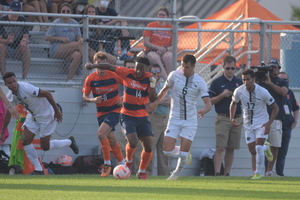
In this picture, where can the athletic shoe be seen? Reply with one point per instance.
(106, 170)
(129, 165)
(256, 176)
(142, 175)
(271, 173)
(35, 172)
(173, 177)
(268, 153)
(190, 158)
(73, 145)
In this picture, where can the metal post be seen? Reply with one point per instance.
(85, 52)
(269, 45)
(262, 41)
(174, 36)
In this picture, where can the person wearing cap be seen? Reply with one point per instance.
(291, 115)
(278, 88)
(104, 10)
(14, 39)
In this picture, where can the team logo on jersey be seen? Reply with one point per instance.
(248, 138)
(135, 84)
(271, 99)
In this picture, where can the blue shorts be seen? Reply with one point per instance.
(111, 119)
(139, 125)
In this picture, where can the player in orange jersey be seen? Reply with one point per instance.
(139, 88)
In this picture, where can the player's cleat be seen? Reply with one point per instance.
(141, 175)
(106, 170)
(35, 172)
(256, 176)
(129, 165)
(268, 153)
(73, 145)
(173, 177)
(190, 158)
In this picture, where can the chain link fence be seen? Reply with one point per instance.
(52, 63)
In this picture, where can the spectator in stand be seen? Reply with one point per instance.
(158, 44)
(289, 122)
(104, 10)
(78, 8)
(66, 42)
(4, 6)
(52, 7)
(95, 33)
(14, 39)
(40, 7)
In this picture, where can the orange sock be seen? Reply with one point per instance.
(105, 149)
(145, 159)
(116, 150)
(129, 152)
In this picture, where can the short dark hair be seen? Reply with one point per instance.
(248, 71)
(128, 60)
(189, 58)
(8, 75)
(155, 65)
(101, 55)
(229, 59)
(143, 60)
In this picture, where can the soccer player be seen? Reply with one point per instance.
(256, 120)
(139, 89)
(41, 118)
(185, 86)
(104, 86)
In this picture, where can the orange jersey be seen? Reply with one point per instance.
(107, 87)
(136, 92)
(159, 38)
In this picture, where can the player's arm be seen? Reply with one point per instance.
(206, 108)
(152, 106)
(87, 98)
(57, 114)
(274, 113)
(232, 110)
(105, 66)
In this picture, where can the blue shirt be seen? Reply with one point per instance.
(218, 86)
(290, 101)
(278, 98)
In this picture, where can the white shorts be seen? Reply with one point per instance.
(42, 127)
(181, 128)
(252, 134)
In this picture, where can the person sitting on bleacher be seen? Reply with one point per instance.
(14, 39)
(40, 7)
(104, 10)
(66, 42)
(158, 44)
(95, 33)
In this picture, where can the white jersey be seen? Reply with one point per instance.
(27, 95)
(254, 105)
(185, 92)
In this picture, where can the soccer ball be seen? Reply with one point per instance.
(121, 172)
(65, 160)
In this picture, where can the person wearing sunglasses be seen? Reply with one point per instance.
(66, 41)
(227, 137)
(289, 122)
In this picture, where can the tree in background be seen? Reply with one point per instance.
(295, 16)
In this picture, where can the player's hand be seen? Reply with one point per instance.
(234, 123)
(152, 82)
(98, 99)
(58, 116)
(151, 107)
(201, 113)
(88, 66)
(267, 128)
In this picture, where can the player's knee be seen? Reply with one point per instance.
(45, 147)
(168, 153)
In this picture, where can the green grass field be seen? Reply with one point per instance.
(56, 187)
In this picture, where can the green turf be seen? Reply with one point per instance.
(56, 187)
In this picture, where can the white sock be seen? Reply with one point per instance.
(107, 162)
(265, 148)
(122, 162)
(32, 156)
(57, 144)
(183, 157)
(175, 151)
(259, 158)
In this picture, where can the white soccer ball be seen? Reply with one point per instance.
(65, 160)
(121, 172)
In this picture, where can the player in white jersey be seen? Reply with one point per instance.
(257, 122)
(186, 87)
(41, 118)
